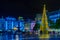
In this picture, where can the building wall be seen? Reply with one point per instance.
(21, 23)
(2, 24)
(54, 15)
(9, 23)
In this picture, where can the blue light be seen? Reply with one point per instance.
(22, 26)
(54, 20)
(12, 25)
(10, 18)
(55, 16)
(6, 25)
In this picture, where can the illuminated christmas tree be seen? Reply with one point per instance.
(44, 21)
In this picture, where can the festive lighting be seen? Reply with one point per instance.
(44, 26)
(15, 28)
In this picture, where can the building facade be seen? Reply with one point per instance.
(9, 23)
(21, 23)
(2, 24)
(54, 15)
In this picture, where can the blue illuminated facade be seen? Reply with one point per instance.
(9, 23)
(54, 15)
(2, 24)
(21, 23)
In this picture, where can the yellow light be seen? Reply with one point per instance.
(42, 36)
(15, 28)
(44, 23)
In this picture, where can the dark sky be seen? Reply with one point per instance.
(26, 8)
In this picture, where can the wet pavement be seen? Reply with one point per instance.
(29, 36)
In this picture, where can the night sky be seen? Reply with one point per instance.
(26, 8)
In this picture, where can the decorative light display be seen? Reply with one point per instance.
(44, 22)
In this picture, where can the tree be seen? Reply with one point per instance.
(55, 25)
(52, 24)
(58, 24)
(37, 26)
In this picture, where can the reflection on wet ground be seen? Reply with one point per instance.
(29, 37)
